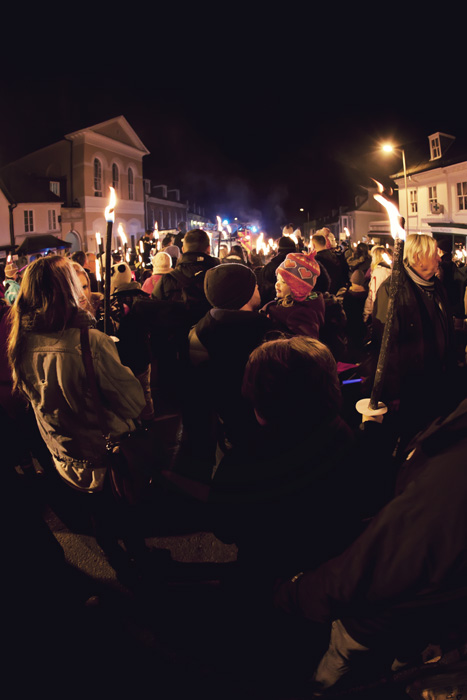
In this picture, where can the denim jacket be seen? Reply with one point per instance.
(54, 380)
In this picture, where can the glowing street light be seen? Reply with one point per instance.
(389, 148)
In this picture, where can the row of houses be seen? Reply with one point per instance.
(434, 202)
(63, 190)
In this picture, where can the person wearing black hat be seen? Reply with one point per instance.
(220, 345)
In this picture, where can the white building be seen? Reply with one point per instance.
(436, 192)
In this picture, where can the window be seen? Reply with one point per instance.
(432, 199)
(52, 220)
(462, 196)
(413, 201)
(435, 148)
(131, 189)
(28, 221)
(55, 188)
(115, 176)
(97, 178)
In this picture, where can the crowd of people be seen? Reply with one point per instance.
(355, 524)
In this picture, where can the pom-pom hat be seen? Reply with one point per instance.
(299, 271)
(120, 274)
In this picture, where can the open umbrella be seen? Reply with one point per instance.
(38, 244)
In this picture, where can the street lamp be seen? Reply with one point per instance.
(388, 148)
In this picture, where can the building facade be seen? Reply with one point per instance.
(359, 223)
(163, 207)
(435, 201)
(78, 171)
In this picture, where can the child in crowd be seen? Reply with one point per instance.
(11, 283)
(161, 264)
(297, 309)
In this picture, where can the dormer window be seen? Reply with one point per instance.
(55, 187)
(435, 148)
(439, 144)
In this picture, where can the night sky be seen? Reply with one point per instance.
(247, 125)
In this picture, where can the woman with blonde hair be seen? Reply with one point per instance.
(46, 360)
(379, 271)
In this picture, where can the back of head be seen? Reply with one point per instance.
(418, 246)
(80, 257)
(362, 249)
(166, 241)
(377, 253)
(293, 381)
(238, 251)
(288, 230)
(328, 236)
(181, 226)
(319, 241)
(286, 244)
(196, 241)
(445, 245)
(229, 286)
(51, 290)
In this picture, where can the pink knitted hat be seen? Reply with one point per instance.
(299, 271)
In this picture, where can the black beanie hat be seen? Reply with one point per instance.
(286, 243)
(229, 285)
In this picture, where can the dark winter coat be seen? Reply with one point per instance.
(185, 284)
(421, 363)
(301, 318)
(409, 567)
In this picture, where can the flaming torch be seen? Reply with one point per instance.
(373, 406)
(124, 240)
(155, 235)
(110, 218)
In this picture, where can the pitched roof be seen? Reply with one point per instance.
(117, 128)
(417, 155)
(20, 187)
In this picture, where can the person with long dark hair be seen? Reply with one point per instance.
(47, 367)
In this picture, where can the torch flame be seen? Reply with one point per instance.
(387, 259)
(122, 234)
(98, 239)
(98, 271)
(396, 229)
(259, 243)
(109, 212)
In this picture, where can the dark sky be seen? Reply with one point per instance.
(248, 129)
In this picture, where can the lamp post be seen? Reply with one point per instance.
(388, 148)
